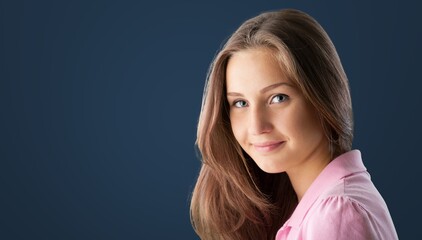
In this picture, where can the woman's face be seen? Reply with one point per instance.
(270, 117)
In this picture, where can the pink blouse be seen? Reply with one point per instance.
(341, 203)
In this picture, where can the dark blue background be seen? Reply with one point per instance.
(99, 103)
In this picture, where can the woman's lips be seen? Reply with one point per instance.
(266, 147)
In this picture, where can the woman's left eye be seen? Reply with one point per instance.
(279, 98)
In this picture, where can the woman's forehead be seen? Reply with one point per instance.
(258, 67)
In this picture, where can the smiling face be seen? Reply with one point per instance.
(270, 117)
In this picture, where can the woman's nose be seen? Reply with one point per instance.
(259, 121)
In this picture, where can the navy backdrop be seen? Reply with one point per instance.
(99, 103)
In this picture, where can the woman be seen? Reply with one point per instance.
(275, 135)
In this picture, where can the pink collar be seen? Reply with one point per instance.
(342, 166)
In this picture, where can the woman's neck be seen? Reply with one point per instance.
(303, 175)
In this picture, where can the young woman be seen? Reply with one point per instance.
(275, 135)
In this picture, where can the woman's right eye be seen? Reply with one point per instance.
(240, 104)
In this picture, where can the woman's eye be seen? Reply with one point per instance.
(279, 98)
(240, 104)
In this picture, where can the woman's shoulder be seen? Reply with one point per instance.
(356, 189)
(353, 207)
(337, 216)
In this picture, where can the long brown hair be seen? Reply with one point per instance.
(233, 198)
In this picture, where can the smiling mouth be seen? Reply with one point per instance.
(267, 146)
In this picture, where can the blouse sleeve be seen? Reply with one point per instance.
(339, 218)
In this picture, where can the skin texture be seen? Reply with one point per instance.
(272, 121)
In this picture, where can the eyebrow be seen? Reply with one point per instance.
(265, 89)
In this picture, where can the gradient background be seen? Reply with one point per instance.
(99, 103)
